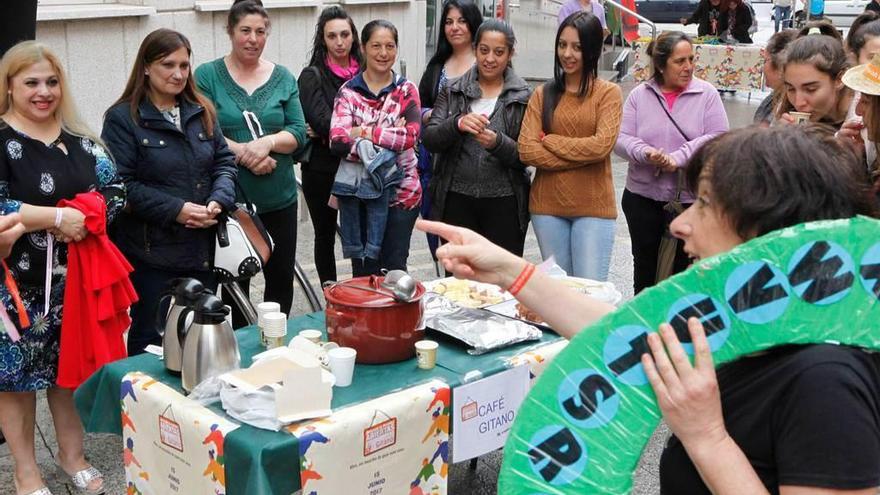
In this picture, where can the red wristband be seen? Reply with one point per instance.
(521, 279)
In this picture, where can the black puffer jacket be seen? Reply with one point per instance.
(442, 137)
(162, 168)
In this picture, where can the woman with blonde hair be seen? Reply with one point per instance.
(48, 155)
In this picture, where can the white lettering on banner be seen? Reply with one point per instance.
(493, 401)
(170, 434)
(380, 436)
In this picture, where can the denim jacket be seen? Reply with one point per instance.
(369, 179)
(368, 184)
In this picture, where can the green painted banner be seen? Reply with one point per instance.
(812, 283)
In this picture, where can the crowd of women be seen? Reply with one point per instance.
(800, 420)
(180, 146)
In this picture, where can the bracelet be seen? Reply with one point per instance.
(522, 279)
(59, 214)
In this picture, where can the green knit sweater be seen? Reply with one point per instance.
(276, 105)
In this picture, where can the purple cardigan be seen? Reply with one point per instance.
(698, 111)
(572, 6)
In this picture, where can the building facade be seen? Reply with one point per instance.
(98, 42)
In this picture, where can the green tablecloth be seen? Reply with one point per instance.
(268, 461)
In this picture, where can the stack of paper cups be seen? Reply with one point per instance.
(275, 329)
(262, 309)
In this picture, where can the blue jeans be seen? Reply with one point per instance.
(581, 245)
(395, 244)
(362, 224)
(780, 14)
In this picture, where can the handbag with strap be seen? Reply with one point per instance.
(668, 242)
(243, 245)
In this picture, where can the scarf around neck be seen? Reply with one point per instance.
(345, 73)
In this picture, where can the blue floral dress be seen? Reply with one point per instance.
(33, 173)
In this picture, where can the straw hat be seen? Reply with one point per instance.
(865, 78)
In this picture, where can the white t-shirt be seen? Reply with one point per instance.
(484, 106)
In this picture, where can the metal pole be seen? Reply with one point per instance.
(242, 301)
(635, 14)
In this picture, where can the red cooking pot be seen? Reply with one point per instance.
(380, 328)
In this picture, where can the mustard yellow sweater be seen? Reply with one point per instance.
(573, 160)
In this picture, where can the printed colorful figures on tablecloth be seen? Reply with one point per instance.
(376, 445)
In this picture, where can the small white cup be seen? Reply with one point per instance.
(342, 364)
(426, 354)
(267, 307)
(312, 335)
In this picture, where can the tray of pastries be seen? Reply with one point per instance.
(467, 293)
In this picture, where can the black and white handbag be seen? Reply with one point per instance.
(243, 244)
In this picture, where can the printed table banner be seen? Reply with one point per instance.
(728, 67)
(171, 444)
(395, 445)
(483, 412)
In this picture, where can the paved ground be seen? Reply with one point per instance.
(104, 450)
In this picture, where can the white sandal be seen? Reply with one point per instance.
(81, 479)
(41, 491)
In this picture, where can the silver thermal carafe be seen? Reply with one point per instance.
(185, 293)
(210, 348)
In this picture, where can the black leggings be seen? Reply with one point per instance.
(497, 219)
(316, 190)
(647, 221)
(278, 272)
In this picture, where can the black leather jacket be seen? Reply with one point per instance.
(442, 137)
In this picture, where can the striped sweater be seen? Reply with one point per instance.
(394, 117)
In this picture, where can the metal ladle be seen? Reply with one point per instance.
(401, 284)
(390, 293)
